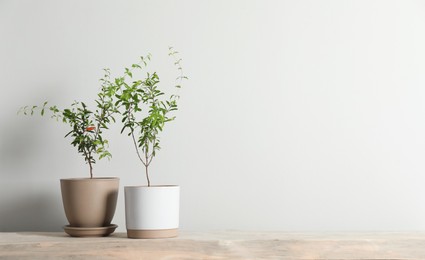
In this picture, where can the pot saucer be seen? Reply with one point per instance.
(90, 231)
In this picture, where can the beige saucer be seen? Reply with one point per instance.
(90, 232)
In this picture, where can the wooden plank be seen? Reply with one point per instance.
(218, 245)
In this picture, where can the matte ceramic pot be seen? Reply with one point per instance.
(89, 202)
(152, 212)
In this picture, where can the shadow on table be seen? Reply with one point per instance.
(63, 234)
(45, 234)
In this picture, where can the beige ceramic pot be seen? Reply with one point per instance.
(89, 202)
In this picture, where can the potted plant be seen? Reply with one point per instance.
(152, 211)
(89, 203)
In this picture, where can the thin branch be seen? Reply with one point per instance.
(134, 138)
(87, 156)
(151, 155)
(137, 148)
(147, 165)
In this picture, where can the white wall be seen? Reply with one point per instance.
(299, 115)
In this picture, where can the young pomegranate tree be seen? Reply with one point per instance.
(86, 125)
(144, 108)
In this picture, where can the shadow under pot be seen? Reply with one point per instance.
(89, 205)
(152, 212)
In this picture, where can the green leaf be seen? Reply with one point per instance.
(124, 127)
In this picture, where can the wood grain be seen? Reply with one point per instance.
(217, 245)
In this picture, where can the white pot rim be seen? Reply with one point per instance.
(152, 208)
(152, 187)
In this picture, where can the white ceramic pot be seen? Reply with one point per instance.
(152, 212)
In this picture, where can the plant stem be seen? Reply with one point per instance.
(137, 149)
(145, 162)
(88, 157)
(91, 170)
(147, 175)
(146, 167)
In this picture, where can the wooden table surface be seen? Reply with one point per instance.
(217, 245)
